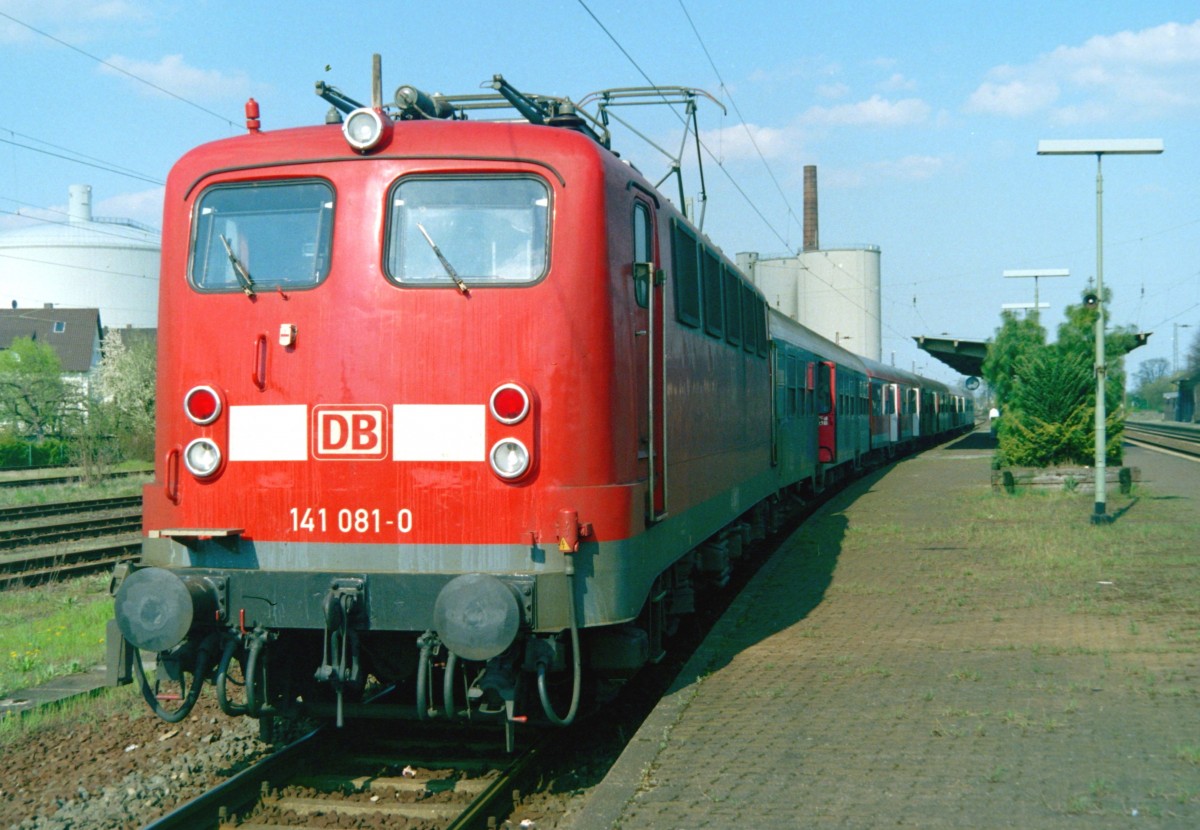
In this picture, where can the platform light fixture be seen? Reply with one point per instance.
(1037, 274)
(1100, 148)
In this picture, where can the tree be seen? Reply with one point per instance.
(1047, 394)
(1151, 381)
(1015, 339)
(121, 415)
(35, 401)
(1052, 415)
(1193, 355)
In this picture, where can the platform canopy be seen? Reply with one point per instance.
(963, 356)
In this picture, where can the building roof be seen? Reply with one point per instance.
(73, 333)
(963, 356)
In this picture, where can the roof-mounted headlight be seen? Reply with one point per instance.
(364, 128)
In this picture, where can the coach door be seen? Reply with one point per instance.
(649, 289)
(826, 414)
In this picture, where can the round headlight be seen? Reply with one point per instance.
(202, 457)
(363, 129)
(509, 458)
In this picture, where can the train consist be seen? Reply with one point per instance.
(466, 406)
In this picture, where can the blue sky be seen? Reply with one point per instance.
(922, 118)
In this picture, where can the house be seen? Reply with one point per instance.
(73, 333)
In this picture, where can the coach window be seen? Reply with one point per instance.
(468, 231)
(262, 235)
(824, 390)
(793, 387)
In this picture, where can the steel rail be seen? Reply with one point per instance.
(209, 809)
(45, 566)
(31, 536)
(1180, 438)
(24, 512)
(67, 478)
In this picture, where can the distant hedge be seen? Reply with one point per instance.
(15, 453)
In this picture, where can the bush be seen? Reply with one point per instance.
(1052, 412)
(18, 453)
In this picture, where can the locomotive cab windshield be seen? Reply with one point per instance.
(492, 230)
(250, 236)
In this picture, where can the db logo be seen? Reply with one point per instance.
(357, 432)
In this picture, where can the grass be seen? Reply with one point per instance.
(1140, 567)
(52, 630)
(19, 496)
(56, 629)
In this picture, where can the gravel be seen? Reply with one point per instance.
(120, 769)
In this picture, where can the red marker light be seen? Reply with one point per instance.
(202, 404)
(509, 403)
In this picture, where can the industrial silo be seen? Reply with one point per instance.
(835, 291)
(83, 262)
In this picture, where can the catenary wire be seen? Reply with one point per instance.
(116, 68)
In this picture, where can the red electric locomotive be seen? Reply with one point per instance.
(466, 406)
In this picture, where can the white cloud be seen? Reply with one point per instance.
(75, 21)
(873, 112)
(907, 169)
(143, 206)
(833, 91)
(735, 144)
(1013, 98)
(1129, 74)
(898, 83)
(172, 73)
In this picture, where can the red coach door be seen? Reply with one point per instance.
(826, 413)
(649, 283)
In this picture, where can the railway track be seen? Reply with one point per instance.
(1176, 437)
(27, 512)
(27, 568)
(8, 479)
(35, 546)
(447, 779)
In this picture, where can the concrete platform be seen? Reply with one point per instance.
(55, 691)
(843, 688)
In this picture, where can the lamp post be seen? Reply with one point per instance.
(1038, 273)
(1100, 148)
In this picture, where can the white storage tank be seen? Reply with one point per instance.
(84, 262)
(833, 291)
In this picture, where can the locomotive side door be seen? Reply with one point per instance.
(649, 281)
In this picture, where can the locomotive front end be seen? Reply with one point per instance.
(358, 364)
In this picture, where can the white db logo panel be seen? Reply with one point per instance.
(350, 432)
